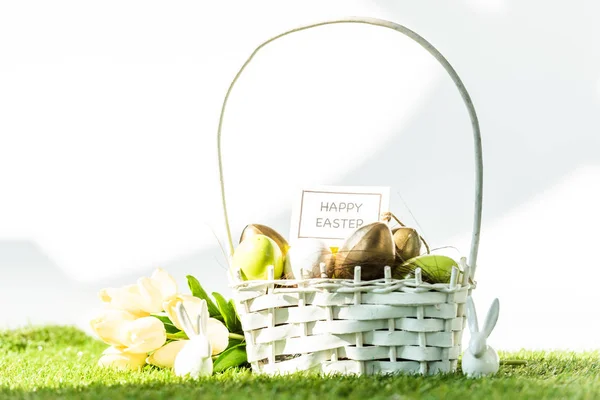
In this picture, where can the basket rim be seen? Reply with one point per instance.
(382, 285)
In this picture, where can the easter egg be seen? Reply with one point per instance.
(408, 243)
(254, 255)
(258, 229)
(371, 247)
(435, 268)
(304, 259)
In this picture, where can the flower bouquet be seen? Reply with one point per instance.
(151, 322)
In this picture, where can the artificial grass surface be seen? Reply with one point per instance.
(60, 362)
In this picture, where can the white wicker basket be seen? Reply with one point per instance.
(354, 326)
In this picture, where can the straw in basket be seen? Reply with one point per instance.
(354, 326)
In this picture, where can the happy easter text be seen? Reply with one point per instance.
(341, 207)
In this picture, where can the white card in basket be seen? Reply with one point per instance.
(332, 213)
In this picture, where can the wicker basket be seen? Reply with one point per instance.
(355, 326)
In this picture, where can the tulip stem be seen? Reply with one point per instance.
(175, 336)
(236, 336)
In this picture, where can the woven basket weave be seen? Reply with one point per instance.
(355, 326)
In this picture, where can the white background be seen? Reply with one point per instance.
(108, 115)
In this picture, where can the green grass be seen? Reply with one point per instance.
(60, 362)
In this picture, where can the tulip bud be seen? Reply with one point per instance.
(115, 358)
(150, 296)
(218, 336)
(109, 326)
(126, 298)
(192, 304)
(144, 335)
(165, 283)
(165, 356)
(144, 298)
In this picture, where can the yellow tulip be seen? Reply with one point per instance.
(145, 297)
(132, 335)
(165, 283)
(109, 326)
(165, 356)
(144, 335)
(115, 358)
(218, 335)
(126, 298)
(192, 304)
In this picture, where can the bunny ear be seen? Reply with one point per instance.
(202, 322)
(491, 318)
(472, 316)
(185, 321)
(206, 347)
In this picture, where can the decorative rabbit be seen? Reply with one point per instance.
(194, 359)
(480, 359)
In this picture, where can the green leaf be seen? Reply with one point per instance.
(227, 311)
(233, 343)
(163, 318)
(169, 327)
(230, 358)
(181, 335)
(199, 292)
(238, 323)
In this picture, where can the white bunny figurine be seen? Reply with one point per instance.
(480, 359)
(194, 359)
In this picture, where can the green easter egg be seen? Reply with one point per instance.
(254, 255)
(435, 268)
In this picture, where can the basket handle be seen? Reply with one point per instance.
(455, 78)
